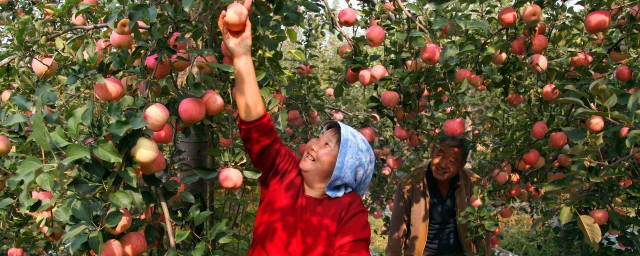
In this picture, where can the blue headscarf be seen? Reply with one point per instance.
(354, 166)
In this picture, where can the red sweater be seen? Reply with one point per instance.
(288, 221)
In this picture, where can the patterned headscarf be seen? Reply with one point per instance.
(354, 166)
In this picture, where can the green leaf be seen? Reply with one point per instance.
(260, 74)
(251, 174)
(293, 36)
(187, 197)
(113, 218)
(223, 67)
(226, 239)
(40, 133)
(299, 55)
(105, 150)
(338, 91)
(15, 119)
(75, 152)
(96, 241)
(6, 202)
(201, 217)
(574, 134)
(74, 231)
(449, 52)
(570, 100)
(205, 174)
(182, 235)
(77, 242)
(634, 99)
(591, 230)
(187, 5)
(45, 180)
(611, 101)
(566, 214)
(81, 210)
(121, 199)
(63, 213)
(58, 138)
(22, 102)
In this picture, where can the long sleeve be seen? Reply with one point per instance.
(398, 227)
(354, 233)
(266, 150)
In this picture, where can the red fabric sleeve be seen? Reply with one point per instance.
(266, 150)
(354, 233)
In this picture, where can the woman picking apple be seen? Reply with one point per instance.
(310, 205)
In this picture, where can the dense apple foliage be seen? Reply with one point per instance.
(118, 133)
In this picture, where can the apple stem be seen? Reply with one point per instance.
(167, 219)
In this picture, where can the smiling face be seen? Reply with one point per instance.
(446, 162)
(319, 160)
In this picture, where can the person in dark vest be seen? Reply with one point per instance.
(423, 220)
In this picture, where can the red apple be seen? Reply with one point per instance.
(338, 116)
(514, 99)
(191, 110)
(400, 133)
(145, 151)
(531, 157)
(345, 51)
(495, 241)
(539, 130)
(564, 160)
(531, 13)
(538, 63)
(163, 136)
(123, 225)
(328, 92)
(157, 116)
(413, 141)
(159, 68)
(623, 132)
(430, 54)
(78, 20)
(540, 163)
(112, 247)
(13, 251)
(394, 162)
(120, 42)
(412, 65)
(230, 178)
(623, 73)
(454, 127)
(6, 94)
(5, 145)
(462, 74)
(237, 16)
(369, 133)
(44, 67)
(377, 72)
(179, 44)
(351, 76)
(506, 212)
(123, 28)
(550, 93)
(601, 216)
(475, 202)
(201, 63)
(110, 90)
(213, 102)
(507, 17)
(180, 61)
(157, 165)
(176, 197)
(581, 60)
(518, 45)
(375, 35)
(501, 178)
(133, 244)
(558, 139)
(539, 43)
(595, 123)
(390, 99)
(597, 21)
(514, 191)
(347, 17)
(499, 57)
(378, 213)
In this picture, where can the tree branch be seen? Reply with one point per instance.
(337, 25)
(167, 219)
(404, 9)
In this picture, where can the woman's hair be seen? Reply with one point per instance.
(334, 127)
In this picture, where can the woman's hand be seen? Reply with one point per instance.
(238, 43)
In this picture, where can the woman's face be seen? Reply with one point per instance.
(320, 158)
